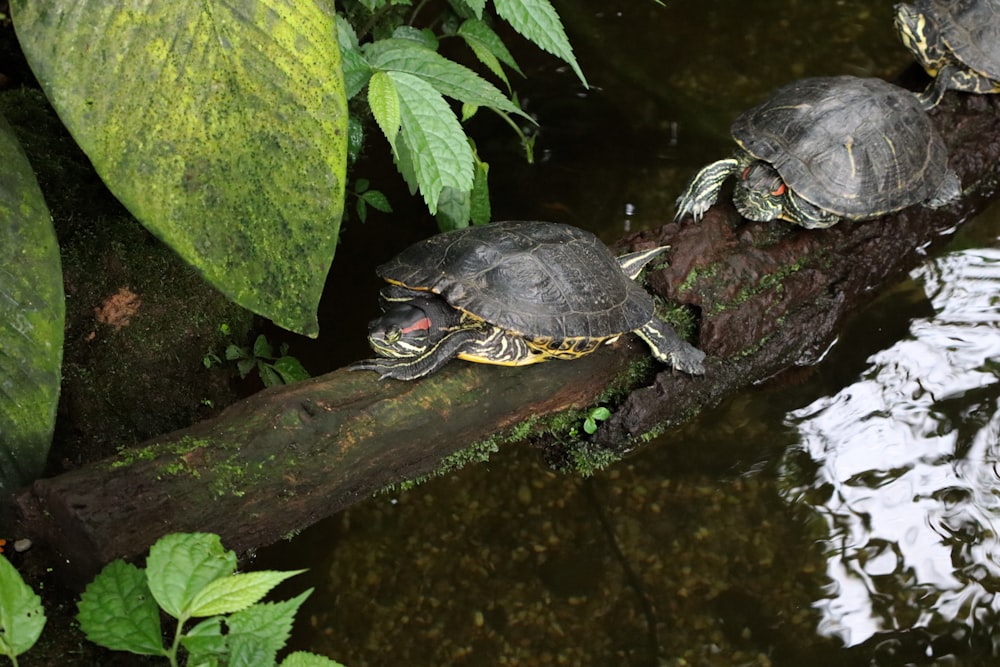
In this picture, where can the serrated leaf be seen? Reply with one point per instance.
(220, 126)
(488, 47)
(22, 617)
(290, 369)
(538, 21)
(236, 592)
(205, 639)
(32, 310)
(440, 150)
(305, 659)
(384, 102)
(446, 76)
(257, 633)
(356, 68)
(117, 611)
(180, 565)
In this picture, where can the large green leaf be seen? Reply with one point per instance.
(221, 126)
(32, 309)
(118, 612)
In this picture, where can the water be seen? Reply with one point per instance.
(837, 515)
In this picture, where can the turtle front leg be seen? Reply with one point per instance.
(949, 191)
(703, 191)
(671, 349)
(412, 368)
(932, 95)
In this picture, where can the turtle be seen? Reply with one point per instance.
(822, 149)
(956, 41)
(514, 293)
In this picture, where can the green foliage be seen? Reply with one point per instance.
(220, 127)
(21, 615)
(32, 310)
(408, 81)
(595, 415)
(273, 369)
(191, 576)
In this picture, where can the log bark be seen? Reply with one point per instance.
(768, 296)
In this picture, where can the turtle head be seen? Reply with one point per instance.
(760, 192)
(410, 328)
(919, 35)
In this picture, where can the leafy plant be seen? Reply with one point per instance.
(595, 415)
(407, 79)
(273, 369)
(22, 617)
(191, 576)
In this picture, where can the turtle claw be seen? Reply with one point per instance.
(690, 360)
(703, 190)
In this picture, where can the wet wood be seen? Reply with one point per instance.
(767, 296)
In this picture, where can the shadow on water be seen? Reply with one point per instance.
(836, 515)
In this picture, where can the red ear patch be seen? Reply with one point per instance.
(780, 190)
(423, 323)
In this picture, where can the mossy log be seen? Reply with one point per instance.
(766, 296)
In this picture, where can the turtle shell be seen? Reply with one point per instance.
(857, 147)
(537, 279)
(970, 29)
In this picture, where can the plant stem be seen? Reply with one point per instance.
(172, 652)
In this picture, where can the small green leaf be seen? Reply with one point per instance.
(205, 639)
(600, 414)
(488, 48)
(377, 200)
(237, 592)
(234, 352)
(384, 102)
(180, 565)
(290, 369)
(21, 614)
(304, 659)
(117, 611)
(440, 150)
(590, 426)
(262, 348)
(538, 21)
(258, 632)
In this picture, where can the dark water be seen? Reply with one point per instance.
(838, 515)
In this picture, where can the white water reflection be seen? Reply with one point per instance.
(907, 468)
